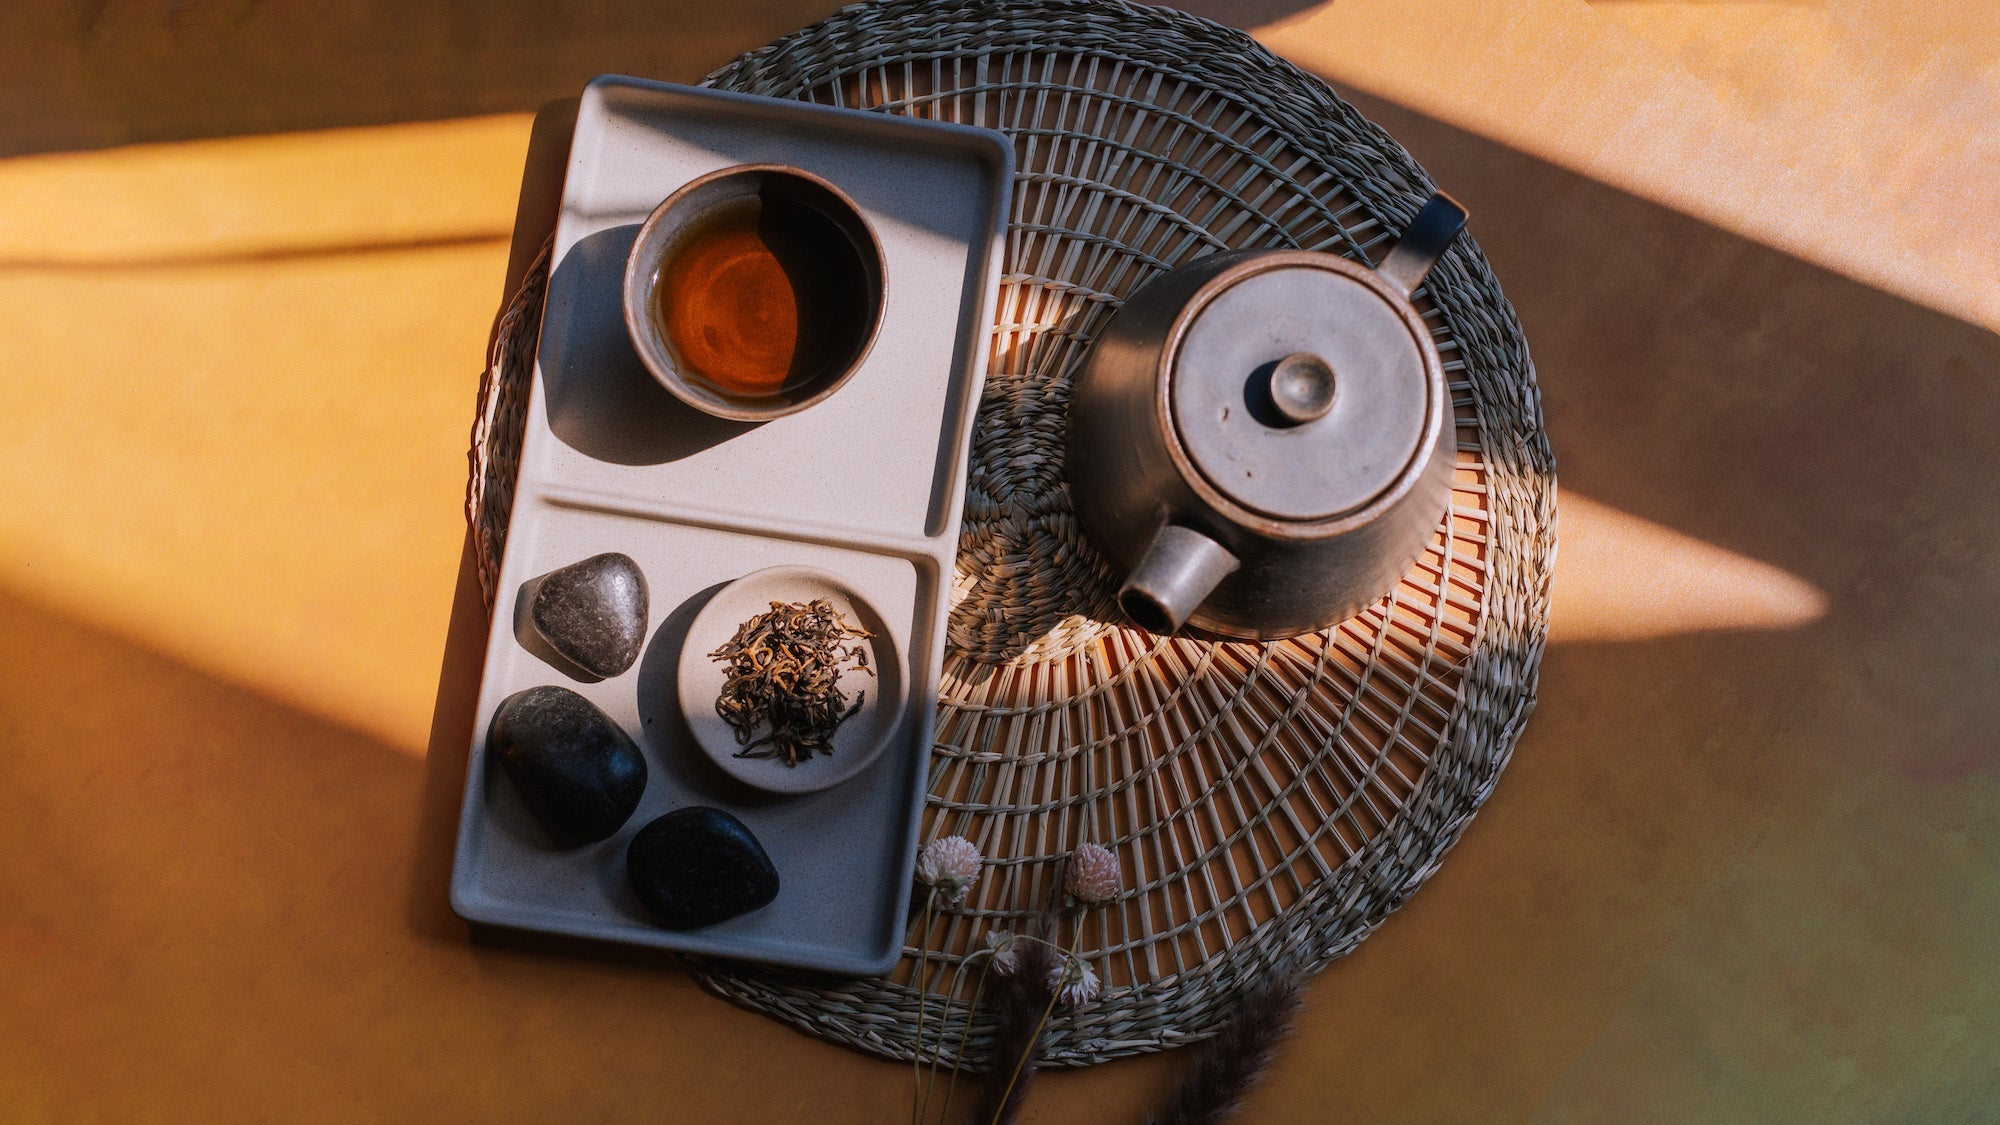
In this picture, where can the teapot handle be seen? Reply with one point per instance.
(1424, 241)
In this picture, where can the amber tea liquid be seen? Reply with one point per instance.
(761, 296)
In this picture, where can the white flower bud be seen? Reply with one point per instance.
(951, 864)
(1006, 958)
(1073, 982)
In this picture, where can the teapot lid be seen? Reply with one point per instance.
(1300, 391)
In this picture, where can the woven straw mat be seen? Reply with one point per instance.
(1270, 803)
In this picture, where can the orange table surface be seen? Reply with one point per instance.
(1744, 866)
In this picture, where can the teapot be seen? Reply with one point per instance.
(1260, 440)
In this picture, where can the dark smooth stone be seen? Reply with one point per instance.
(594, 613)
(580, 772)
(697, 866)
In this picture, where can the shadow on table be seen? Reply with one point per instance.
(92, 73)
(82, 74)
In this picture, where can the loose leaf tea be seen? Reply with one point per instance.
(784, 674)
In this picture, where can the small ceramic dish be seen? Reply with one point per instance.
(859, 740)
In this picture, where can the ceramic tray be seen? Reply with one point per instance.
(866, 485)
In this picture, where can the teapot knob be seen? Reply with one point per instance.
(1302, 388)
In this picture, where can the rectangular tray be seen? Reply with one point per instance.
(867, 484)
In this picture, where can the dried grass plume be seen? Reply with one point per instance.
(1224, 1069)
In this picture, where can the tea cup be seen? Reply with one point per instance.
(755, 291)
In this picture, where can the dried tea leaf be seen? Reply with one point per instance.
(784, 670)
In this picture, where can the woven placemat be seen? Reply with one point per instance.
(1269, 803)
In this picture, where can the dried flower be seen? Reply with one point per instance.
(1092, 878)
(950, 864)
(1073, 982)
(1006, 958)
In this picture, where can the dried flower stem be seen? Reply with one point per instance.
(919, 1094)
(964, 1033)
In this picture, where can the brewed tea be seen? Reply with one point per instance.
(761, 296)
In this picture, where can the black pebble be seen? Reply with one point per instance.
(594, 613)
(697, 866)
(579, 772)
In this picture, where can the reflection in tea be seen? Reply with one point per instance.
(761, 296)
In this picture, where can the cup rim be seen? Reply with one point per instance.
(640, 281)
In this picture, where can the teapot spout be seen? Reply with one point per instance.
(1178, 571)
